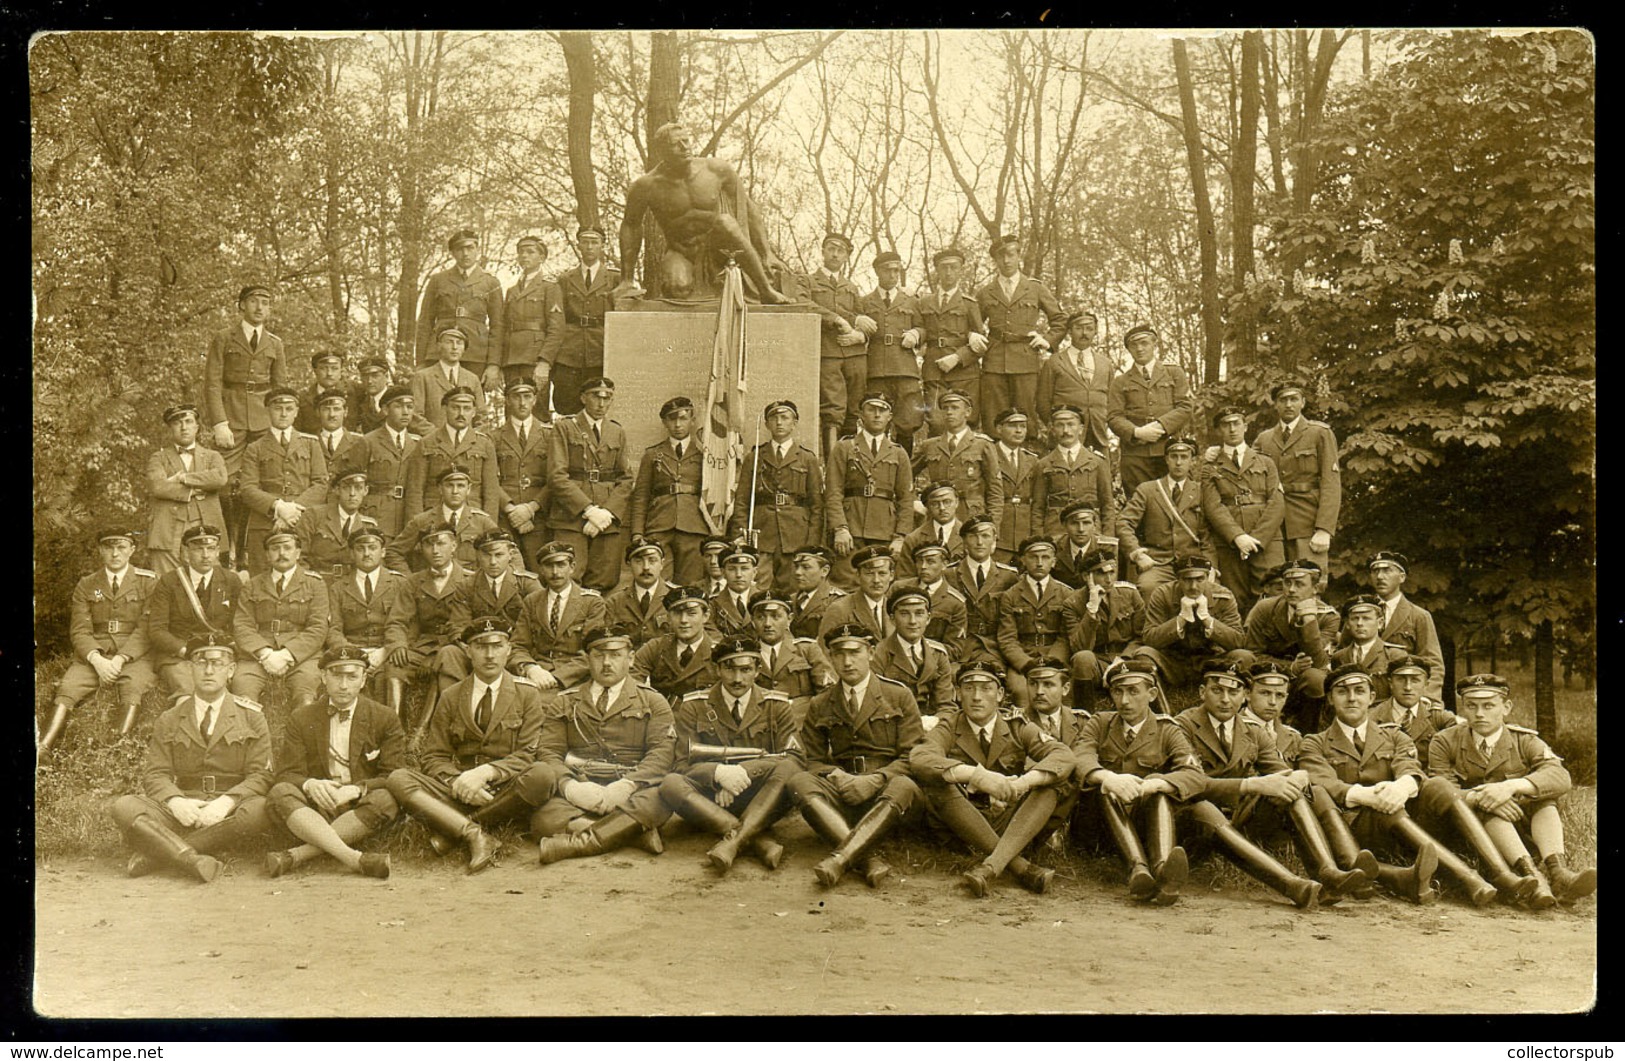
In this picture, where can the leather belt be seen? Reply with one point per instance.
(208, 782)
(675, 488)
(524, 328)
(525, 482)
(870, 491)
(888, 339)
(857, 764)
(780, 500)
(277, 626)
(943, 343)
(1016, 500)
(1014, 337)
(589, 322)
(395, 492)
(586, 477)
(112, 626)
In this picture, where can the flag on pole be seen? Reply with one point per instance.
(724, 425)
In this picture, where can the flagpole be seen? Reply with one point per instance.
(755, 483)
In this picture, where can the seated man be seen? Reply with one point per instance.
(640, 606)
(1047, 684)
(736, 752)
(981, 580)
(1080, 542)
(556, 618)
(1363, 775)
(1300, 630)
(948, 612)
(730, 609)
(611, 742)
(195, 598)
(1362, 645)
(795, 666)
(336, 755)
(467, 523)
(1032, 619)
(913, 660)
(1418, 715)
(678, 663)
(419, 631)
(867, 608)
(856, 740)
(478, 762)
(324, 531)
(109, 635)
(811, 591)
(1405, 623)
(940, 527)
(1265, 699)
(1489, 778)
(1131, 764)
(495, 589)
(281, 624)
(207, 770)
(995, 784)
(1189, 621)
(1103, 618)
(360, 604)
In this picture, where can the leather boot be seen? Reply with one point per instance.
(161, 844)
(1570, 885)
(1305, 894)
(614, 830)
(1141, 884)
(1413, 882)
(59, 721)
(450, 823)
(764, 809)
(1511, 887)
(869, 829)
(824, 818)
(875, 870)
(1542, 899)
(1168, 862)
(395, 693)
(1321, 862)
(128, 724)
(979, 879)
(510, 804)
(1035, 879)
(431, 697)
(1345, 849)
(697, 810)
(1479, 891)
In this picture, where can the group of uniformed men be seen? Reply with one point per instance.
(833, 657)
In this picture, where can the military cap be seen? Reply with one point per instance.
(641, 545)
(1389, 556)
(597, 383)
(1227, 672)
(1225, 412)
(332, 395)
(947, 254)
(113, 532)
(353, 471)
(1037, 541)
(976, 523)
(518, 385)
(1285, 387)
(459, 391)
(847, 633)
(1000, 242)
(434, 530)
(680, 595)
(279, 393)
(554, 549)
(925, 548)
(1100, 560)
(199, 532)
(461, 236)
(341, 654)
(487, 626)
(870, 554)
(767, 598)
(815, 551)
(210, 644)
(451, 470)
(1066, 409)
(276, 534)
(955, 394)
(875, 398)
(1129, 668)
(1192, 562)
(735, 647)
(369, 364)
(175, 412)
(1139, 329)
(325, 355)
(715, 544)
(495, 536)
(1041, 666)
(1483, 685)
(672, 405)
(394, 393)
(254, 289)
(1269, 672)
(1080, 506)
(607, 637)
(590, 230)
(887, 258)
(1300, 566)
(901, 595)
(979, 670)
(1009, 416)
(1273, 574)
(364, 532)
(1080, 315)
(936, 488)
(534, 241)
(1362, 600)
(782, 404)
(1184, 442)
(1406, 664)
(452, 329)
(740, 552)
(836, 237)
(1347, 673)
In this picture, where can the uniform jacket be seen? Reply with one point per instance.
(704, 717)
(1288, 741)
(420, 618)
(403, 553)
(789, 498)
(435, 453)
(982, 605)
(387, 466)
(878, 739)
(1306, 460)
(362, 414)
(1132, 402)
(171, 619)
(236, 378)
(948, 320)
(1030, 625)
(429, 385)
(1058, 483)
(1273, 629)
(578, 342)
(1162, 621)
(522, 472)
(107, 622)
(972, 466)
(808, 620)
(1412, 628)
(473, 599)
(349, 452)
(666, 496)
(1017, 482)
(887, 356)
(584, 472)
(1120, 621)
(1009, 321)
(625, 610)
(235, 761)
(558, 650)
(950, 614)
(1069, 564)
(473, 304)
(800, 669)
(656, 664)
(273, 472)
(837, 301)
(870, 496)
(1068, 723)
(932, 685)
(297, 620)
(1520, 753)
(509, 743)
(636, 730)
(377, 744)
(180, 504)
(727, 618)
(530, 312)
(1375, 663)
(1428, 718)
(358, 621)
(1060, 383)
(1240, 501)
(1334, 765)
(322, 543)
(308, 418)
(927, 532)
(856, 608)
(1014, 747)
(1147, 521)
(1159, 749)
(1252, 751)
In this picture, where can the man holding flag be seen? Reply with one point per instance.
(722, 434)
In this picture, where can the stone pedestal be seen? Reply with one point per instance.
(661, 350)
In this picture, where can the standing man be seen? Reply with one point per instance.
(420, 630)
(327, 368)
(283, 474)
(184, 483)
(1147, 405)
(812, 592)
(456, 442)
(786, 482)
(1071, 474)
(531, 310)
(955, 336)
(341, 447)
(1023, 320)
(324, 532)
(591, 486)
(981, 580)
(360, 605)
(109, 635)
(940, 526)
(1244, 506)
(1404, 623)
(1305, 455)
(1032, 614)
(1163, 518)
(466, 297)
(1018, 466)
(366, 408)
(391, 448)
(870, 489)
(1079, 375)
(1420, 716)
(281, 624)
(453, 510)
(842, 356)
(575, 347)
(433, 383)
(891, 319)
(962, 458)
(522, 448)
(243, 363)
(199, 597)
(666, 496)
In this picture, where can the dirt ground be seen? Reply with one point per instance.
(629, 933)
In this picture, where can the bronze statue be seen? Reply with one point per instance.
(707, 218)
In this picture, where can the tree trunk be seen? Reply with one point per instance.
(583, 73)
(1212, 322)
(661, 107)
(1545, 691)
(1243, 178)
(332, 66)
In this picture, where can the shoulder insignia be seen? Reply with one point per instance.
(1522, 729)
(775, 694)
(936, 644)
(697, 694)
(1402, 648)
(313, 575)
(143, 572)
(806, 640)
(586, 592)
(1387, 725)
(306, 434)
(1002, 566)
(392, 571)
(1318, 423)
(954, 593)
(889, 681)
(252, 705)
(520, 679)
(1124, 585)
(414, 436)
(984, 438)
(833, 592)
(1169, 719)
(1211, 453)
(1253, 722)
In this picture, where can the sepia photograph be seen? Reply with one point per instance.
(772, 522)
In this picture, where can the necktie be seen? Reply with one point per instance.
(1484, 748)
(1359, 743)
(343, 715)
(942, 534)
(888, 300)
(1235, 459)
(1085, 369)
(981, 576)
(880, 619)
(457, 439)
(482, 713)
(602, 703)
(453, 522)
(281, 585)
(556, 614)
(349, 525)
(914, 658)
(366, 588)
(206, 727)
(327, 444)
(851, 698)
(400, 440)
(1148, 377)
(679, 448)
(986, 742)
(644, 600)
(254, 340)
(874, 447)
(1179, 489)
(597, 435)
(772, 658)
(739, 712)
(285, 437)
(116, 581)
(740, 606)
(1224, 739)
(202, 584)
(496, 590)
(805, 599)
(524, 435)
(686, 656)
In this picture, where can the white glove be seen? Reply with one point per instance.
(959, 773)
(1124, 788)
(215, 811)
(588, 795)
(977, 342)
(1143, 560)
(601, 518)
(911, 338)
(1247, 545)
(287, 513)
(1037, 342)
(1201, 609)
(1096, 596)
(948, 362)
(469, 786)
(223, 438)
(928, 722)
(376, 657)
(185, 809)
(866, 325)
(617, 793)
(851, 337)
(1187, 609)
(104, 667)
(731, 779)
(543, 678)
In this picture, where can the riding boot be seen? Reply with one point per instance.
(1542, 899)
(1346, 850)
(450, 823)
(1510, 886)
(1479, 891)
(824, 818)
(128, 724)
(1141, 884)
(59, 721)
(1413, 882)
(431, 698)
(764, 809)
(697, 810)
(1305, 894)
(869, 829)
(160, 843)
(1168, 862)
(509, 804)
(616, 829)
(395, 693)
(1570, 885)
(1321, 862)
(227, 833)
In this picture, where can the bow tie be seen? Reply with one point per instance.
(189, 449)
(342, 713)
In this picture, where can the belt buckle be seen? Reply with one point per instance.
(397, 493)
(781, 500)
(113, 626)
(276, 626)
(592, 476)
(868, 489)
(1013, 500)
(206, 782)
(524, 482)
(942, 344)
(890, 339)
